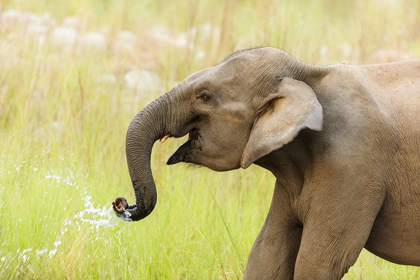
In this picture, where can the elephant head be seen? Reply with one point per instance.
(252, 103)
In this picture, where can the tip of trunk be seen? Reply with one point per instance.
(130, 213)
(120, 204)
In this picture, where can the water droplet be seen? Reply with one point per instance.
(52, 253)
(41, 252)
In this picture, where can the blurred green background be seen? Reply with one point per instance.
(74, 73)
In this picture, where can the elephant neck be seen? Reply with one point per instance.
(291, 164)
(288, 66)
(310, 74)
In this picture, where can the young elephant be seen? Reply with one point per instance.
(343, 142)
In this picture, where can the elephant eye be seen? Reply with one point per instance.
(205, 96)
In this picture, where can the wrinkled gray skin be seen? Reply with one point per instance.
(342, 141)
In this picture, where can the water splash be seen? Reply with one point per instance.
(125, 216)
(97, 217)
(52, 253)
(41, 252)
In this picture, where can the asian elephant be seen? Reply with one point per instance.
(343, 142)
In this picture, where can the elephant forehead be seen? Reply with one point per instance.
(224, 74)
(197, 76)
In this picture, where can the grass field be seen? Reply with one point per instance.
(74, 73)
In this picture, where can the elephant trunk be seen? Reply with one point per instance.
(149, 125)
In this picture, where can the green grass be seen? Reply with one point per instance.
(62, 135)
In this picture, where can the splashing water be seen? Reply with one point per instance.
(90, 215)
(125, 216)
(41, 252)
(98, 217)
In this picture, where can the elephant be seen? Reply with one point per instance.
(343, 142)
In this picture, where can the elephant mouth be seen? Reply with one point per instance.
(184, 150)
(193, 132)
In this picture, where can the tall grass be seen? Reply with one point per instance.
(64, 112)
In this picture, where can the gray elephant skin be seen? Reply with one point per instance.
(343, 142)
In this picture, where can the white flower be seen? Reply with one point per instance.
(142, 80)
(65, 36)
(72, 22)
(94, 41)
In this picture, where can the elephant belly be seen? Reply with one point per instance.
(395, 235)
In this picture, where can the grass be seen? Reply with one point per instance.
(63, 124)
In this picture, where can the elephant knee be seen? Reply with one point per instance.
(271, 259)
(331, 268)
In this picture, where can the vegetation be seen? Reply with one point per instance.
(67, 95)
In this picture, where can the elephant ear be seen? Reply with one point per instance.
(291, 109)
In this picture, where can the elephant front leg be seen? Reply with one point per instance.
(334, 233)
(328, 255)
(274, 252)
